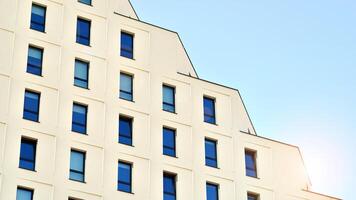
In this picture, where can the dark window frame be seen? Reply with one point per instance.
(253, 169)
(167, 103)
(30, 111)
(206, 115)
(207, 157)
(32, 21)
(80, 37)
(32, 142)
(31, 65)
(129, 52)
(86, 118)
(130, 93)
(84, 153)
(80, 79)
(123, 182)
(130, 120)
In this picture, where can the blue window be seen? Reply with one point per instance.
(24, 194)
(77, 166)
(169, 142)
(169, 186)
(250, 162)
(81, 74)
(126, 85)
(209, 110)
(127, 45)
(38, 18)
(83, 31)
(28, 154)
(168, 98)
(252, 196)
(125, 130)
(88, 2)
(211, 153)
(79, 118)
(212, 191)
(124, 177)
(34, 60)
(31, 106)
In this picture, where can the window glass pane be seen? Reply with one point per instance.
(31, 106)
(77, 160)
(212, 192)
(125, 130)
(79, 118)
(169, 142)
(88, 2)
(126, 86)
(38, 18)
(27, 154)
(168, 98)
(24, 194)
(210, 153)
(81, 74)
(126, 45)
(250, 162)
(124, 176)
(34, 61)
(83, 32)
(169, 187)
(209, 110)
(252, 197)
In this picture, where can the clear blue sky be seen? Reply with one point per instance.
(294, 63)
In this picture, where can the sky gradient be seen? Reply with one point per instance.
(294, 63)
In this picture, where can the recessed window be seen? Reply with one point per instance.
(209, 110)
(127, 45)
(124, 177)
(211, 158)
(169, 142)
(81, 74)
(88, 2)
(83, 31)
(168, 98)
(169, 186)
(126, 86)
(38, 18)
(31, 106)
(28, 154)
(79, 118)
(253, 196)
(34, 60)
(250, 162)
(212, 191)
(24, 194)
(125, 130)
(77, 166)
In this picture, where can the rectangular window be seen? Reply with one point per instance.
(212, 191)
(211, 158)
(169, 186)
(79, 118)
(127, 45)
(124, 177)
(125, 130)
(24, 194)
(28, 154)
(253, 196)
(250, 162)
(83, 31)
(126, 86)
(168, 98)
(209, 110)
(38, 18)
(77, 166)
(31, 106)
(88, 2)
(81, 74)
(34, 60)
(169, 142)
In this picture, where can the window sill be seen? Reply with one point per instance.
(30, 170)
(86, 134)
(85, 88)
(38, 31)
(83, 44)
(254, 177)
(31, 120)
(170, 111)
(77, 181)
(127, 100)
(129, 145)
(214, 124)
(126, 192)
(212, 167)
(169, 156)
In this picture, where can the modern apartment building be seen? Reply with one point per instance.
(96, 104)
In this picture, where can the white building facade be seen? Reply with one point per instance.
(96, 104)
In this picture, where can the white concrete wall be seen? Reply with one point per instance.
(158, 56)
